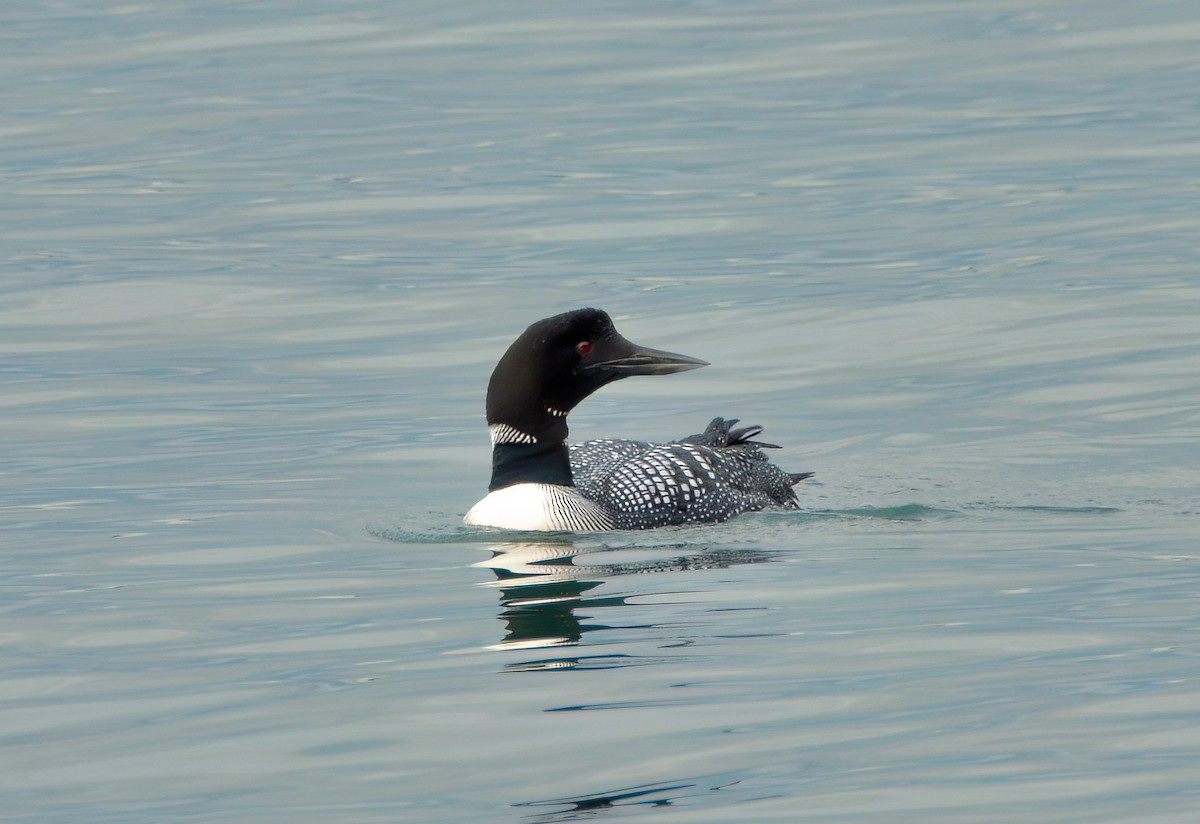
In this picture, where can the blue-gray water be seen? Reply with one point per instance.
(259, 259)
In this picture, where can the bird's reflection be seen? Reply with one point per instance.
(541, 588)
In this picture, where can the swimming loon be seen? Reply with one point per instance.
(539, 483)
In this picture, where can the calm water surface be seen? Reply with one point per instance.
(259, 259)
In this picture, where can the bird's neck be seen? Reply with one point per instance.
(530, 463)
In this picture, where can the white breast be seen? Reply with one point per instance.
(541, 507)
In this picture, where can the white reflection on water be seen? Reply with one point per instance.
(542, 587)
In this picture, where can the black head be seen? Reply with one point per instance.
(559, 361)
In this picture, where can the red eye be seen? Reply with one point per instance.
(583, 347)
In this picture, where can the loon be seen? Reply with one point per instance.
(539, 483)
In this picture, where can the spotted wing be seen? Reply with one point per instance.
(651, 485)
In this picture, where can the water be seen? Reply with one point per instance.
(260, 258)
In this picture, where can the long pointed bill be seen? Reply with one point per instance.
(622, 358)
